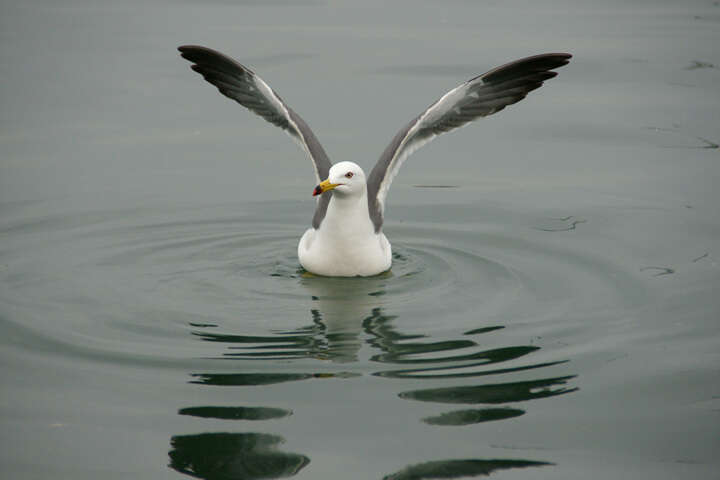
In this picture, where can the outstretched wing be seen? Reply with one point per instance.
(478, 97)
(239, 83)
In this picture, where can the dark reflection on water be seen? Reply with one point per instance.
(347, 316)
(412, 373)
(484, 330)
(469, 417)
(259, 379)
(396, 352)
(233, 456)
(493, 394)
(247, 379)
(460, 468)
(236, 413)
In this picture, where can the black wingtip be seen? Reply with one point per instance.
(535, 64)
(187, 48)
(190, 52)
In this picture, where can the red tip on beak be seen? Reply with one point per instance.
(317, 191)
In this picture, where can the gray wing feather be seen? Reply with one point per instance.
(239, 83)
(478, 97)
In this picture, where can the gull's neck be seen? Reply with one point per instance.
(348, 215)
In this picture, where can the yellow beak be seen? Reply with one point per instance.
(324, 187)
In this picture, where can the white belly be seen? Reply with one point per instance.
(342, 254)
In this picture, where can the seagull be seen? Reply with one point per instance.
(346, 238)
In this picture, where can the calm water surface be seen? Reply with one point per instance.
(552, 310)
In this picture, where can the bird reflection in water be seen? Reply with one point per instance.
(347, 316)
(245, 456)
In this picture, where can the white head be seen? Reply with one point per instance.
(346, 178)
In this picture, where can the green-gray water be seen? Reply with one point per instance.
(552, 312)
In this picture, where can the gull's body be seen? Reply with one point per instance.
(346, 243)
(346, 237)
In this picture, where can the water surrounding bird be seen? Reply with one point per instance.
(346, 237)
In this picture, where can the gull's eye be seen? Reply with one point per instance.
(349, 175)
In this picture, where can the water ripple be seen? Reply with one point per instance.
(222, 299)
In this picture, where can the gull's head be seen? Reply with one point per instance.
(346, 178)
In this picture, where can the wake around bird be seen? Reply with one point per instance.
(346, 238)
